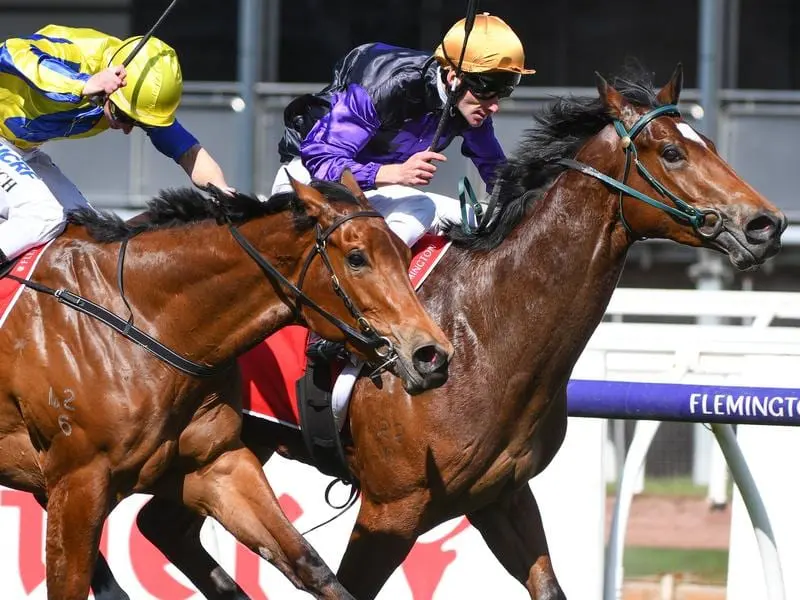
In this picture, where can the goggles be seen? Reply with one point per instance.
(120, 117)
(496, 84)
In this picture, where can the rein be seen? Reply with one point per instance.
(681, 210)
(382, 346)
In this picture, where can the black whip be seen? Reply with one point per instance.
(453, 92)
(149, 34)
(100, 99)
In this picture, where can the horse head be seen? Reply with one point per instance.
(681, 188)
(361, 278)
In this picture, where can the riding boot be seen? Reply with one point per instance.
(321, 350)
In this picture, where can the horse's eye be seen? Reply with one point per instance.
(671, 154)
(356, 259)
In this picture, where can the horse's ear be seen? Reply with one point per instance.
(312, 200)
(614, 102)
(348, 180)
(671, 93)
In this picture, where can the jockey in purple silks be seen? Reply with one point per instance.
(379, 115)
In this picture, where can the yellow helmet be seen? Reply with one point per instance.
(154, 82)
(492, 46)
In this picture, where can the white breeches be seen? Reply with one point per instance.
(34, 198)
(409, 212)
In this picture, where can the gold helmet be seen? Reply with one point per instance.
(154, 83)
(492, 46)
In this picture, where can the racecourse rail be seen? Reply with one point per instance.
(742, 336)
(722, 406)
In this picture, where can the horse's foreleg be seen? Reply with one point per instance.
(104, 585)
(78, 503)
(381, 539)
(175, 530)
(234, 491)
(512, 528)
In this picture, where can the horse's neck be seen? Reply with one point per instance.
(531, 304)
(196, 290)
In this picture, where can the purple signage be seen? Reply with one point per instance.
(683, 402)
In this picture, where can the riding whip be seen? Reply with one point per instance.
(472, 10)
(100, 99)
(149, 34)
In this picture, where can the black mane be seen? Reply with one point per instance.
(182, 206)
(559, 131)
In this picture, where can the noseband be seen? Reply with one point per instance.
(706, 228)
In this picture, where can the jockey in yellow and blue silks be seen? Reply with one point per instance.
(49, 86)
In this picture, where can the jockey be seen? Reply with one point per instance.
(379, 115)
(61, 83)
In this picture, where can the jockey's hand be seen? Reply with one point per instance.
(106, 81)
(417, 170)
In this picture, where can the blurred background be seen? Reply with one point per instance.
(244, 60)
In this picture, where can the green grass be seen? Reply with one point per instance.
(699, 566)
(667, 486)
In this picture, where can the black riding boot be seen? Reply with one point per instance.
(322, 350)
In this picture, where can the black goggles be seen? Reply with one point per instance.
(486, 86)
(119, 116)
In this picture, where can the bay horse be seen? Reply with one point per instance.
(88, 418)
(519, 299)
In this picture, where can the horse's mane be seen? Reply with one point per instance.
(559, 131)
(178, 207)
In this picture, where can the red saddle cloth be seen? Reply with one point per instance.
(10, 290)
(271, 369)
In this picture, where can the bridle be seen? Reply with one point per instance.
(682, 211)
(367, 336)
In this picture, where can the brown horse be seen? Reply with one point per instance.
(520, 299)
(87, 417)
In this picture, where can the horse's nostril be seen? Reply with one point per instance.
(429, 359)
(764, 227)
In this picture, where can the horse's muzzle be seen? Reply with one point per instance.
(756, 239)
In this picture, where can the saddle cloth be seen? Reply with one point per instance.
(271, 369)
(11, 290)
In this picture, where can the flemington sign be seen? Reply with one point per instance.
(760, 407)
(684, 402)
